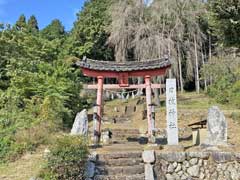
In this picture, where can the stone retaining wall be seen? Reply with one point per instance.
(180, 165)
(196, 165)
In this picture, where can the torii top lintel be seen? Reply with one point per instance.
(122, 71)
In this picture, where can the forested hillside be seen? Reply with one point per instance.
(40, 88)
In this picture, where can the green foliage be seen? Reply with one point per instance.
(66, 159)
(39, 91)
(224, 71)
(21, 23)
(55, 30)
(88, 36)
(225, 22)
(33, 24)
(235, 93)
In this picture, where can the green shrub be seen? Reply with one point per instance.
(235, 94)
(67, 159)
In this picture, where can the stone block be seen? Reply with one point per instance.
(199, 136)
(194, 171)
(221, 157)
(149, 175)
(202, 155)
(172, 156)
(148, 156)
(90, 170)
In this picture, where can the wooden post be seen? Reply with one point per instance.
(149, 102)
(99, 104)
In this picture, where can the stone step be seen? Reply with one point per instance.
(119, 177)
(124, 140)
(117, 170)
(118, 155)
(120, 162)
(123, 135)
(125, 131)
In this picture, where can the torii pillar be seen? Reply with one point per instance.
(99, 104)
(149, 103)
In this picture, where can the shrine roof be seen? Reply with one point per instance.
(123, 67)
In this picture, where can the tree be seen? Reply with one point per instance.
(32, 24)
(165, 27)
(224, 21)
(36, 87)
(55, 30)
(21, 23)
(88, 37)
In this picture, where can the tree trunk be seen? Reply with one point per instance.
(210, 56)
(180, 68)
(203, 61)
(170, 73)
(197, 83)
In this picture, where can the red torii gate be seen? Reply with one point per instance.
(122, 71)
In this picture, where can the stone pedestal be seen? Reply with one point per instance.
(199, 136)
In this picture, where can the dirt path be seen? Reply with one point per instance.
(25, 168)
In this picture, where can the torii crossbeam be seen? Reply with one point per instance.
(122, 72)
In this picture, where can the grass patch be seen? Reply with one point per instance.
(26, 167)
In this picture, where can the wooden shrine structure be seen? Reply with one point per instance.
(122, 72)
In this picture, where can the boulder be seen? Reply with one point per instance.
(194, 171)
(217, 127)
(80, 125)
(90, 169)
(170, 177)
(170, 168)
(193, 161)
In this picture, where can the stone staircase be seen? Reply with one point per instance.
(122, 136)
(116, 120)
(120, 166)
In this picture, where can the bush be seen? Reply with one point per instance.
(235, 94)
(67, 159)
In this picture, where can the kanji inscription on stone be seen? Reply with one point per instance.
(171, 104)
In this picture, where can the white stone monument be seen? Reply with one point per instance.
(216, 127)
(80, 125)
(171, 104)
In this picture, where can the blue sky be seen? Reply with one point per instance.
(44, 10)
